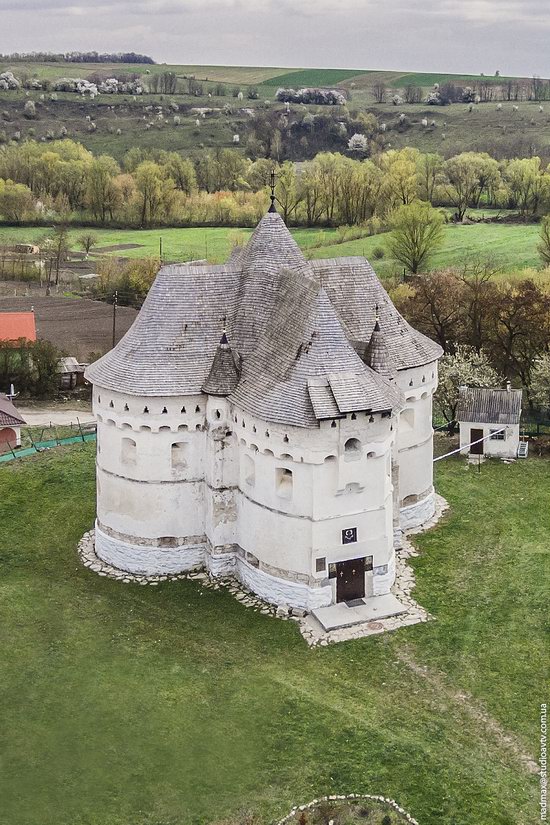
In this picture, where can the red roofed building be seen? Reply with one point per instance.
(16, 325)
(10, 425)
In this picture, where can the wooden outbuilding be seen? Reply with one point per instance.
(489, 421)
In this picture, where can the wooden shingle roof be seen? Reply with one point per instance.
(483, 405)
(290, 322)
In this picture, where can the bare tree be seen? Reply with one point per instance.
(379, 92)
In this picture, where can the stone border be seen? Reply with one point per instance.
(311, 630)
(86, 551)
(342, 797)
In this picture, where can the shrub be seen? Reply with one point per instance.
(321, 97)
(29, 110)
(378, 253)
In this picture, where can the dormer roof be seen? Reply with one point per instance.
(224, 373)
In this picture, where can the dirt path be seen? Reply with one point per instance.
(473, 707)
(43, 416)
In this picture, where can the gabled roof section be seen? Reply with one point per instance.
(305, 369)
(483, 405)
(224, 373)
(9, 415)
(16, 325)
(170, 347)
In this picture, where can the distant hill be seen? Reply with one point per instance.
(188, 107)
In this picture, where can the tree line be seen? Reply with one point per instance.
(64, 182)
(77, 57)
(491, 328)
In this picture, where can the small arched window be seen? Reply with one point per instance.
(164, 411)
(128, 451)
(283, 481)
(249, 471)
(352, 449)
(178, 455)
(218, 414)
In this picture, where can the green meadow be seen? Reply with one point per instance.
(512, 246)
(176, 705)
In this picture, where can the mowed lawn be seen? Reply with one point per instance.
(512, 246)
(176, 705)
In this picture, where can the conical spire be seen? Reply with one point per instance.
(224, 375)
(377, 354)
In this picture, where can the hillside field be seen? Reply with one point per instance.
(176, 705)
(122, 121)
(512, 246)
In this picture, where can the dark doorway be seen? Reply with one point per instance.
(476, 449)
(350, 580)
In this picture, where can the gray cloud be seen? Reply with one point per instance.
(436, 35)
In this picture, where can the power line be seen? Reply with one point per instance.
(467, 446)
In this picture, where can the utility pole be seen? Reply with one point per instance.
(115, 304)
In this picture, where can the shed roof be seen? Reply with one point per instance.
(485, 405)
(16, 325)
(9, 415)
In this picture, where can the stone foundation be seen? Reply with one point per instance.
(154, 561)
(417, 514)
(253, 587)
(144, 560)
(281, 591)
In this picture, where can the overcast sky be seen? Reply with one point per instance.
(418, 35)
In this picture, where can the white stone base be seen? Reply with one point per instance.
(281, 591)
(417, 514)
(148, 561)
(145, 560)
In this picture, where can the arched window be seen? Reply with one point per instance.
(128, 451)
(406, 420)
(178, 455)
(249, 471)
(283, 482)
(352, 449)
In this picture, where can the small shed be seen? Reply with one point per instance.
(489, 414)
(10, 425)
(71, 373)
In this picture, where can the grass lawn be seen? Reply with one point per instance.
(513, 246)
(175, 705)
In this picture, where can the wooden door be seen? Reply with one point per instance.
(475, 435)
(350, 580)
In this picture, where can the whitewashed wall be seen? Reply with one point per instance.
(414, 453)
(500, 449)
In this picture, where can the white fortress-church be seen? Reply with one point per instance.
(269, 419)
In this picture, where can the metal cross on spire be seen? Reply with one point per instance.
(272, 180)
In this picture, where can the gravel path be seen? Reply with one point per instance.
(43, 416)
